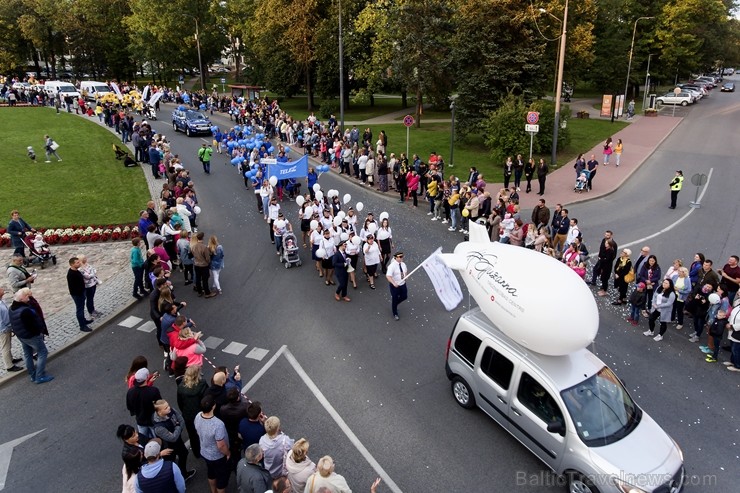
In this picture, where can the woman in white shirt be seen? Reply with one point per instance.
(316, 236)
(372, 259)
(385, 242)
(306, 213)
(265, 194)
(352, 218)
(272, 214)
(353, 253)
(327, 261)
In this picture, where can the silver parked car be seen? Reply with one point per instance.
(682, 98)
(571, 411)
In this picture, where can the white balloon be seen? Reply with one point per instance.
(300, 200)
(273, 180)
(279, 224)
(343, 237)
(347, 197)
(506, 282)
(319, 195)
(196, 209)
(330, 193)
(341, 214)
(314, 224)
(372, 228)
(337, 221)
(316, 187)
(383, 215)
(356, 240)
(359, 206)
(321, 253)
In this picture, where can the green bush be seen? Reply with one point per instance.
(328, 107)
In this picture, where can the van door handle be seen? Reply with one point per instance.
(516, 411)
(501, 400)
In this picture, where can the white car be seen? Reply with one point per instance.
(21, 85)
(694, 91)
(682, 98)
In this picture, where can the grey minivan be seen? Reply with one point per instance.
(571, 411)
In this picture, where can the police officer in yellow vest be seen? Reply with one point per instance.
(675, 186)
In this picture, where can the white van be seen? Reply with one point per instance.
(55, 87)
(570, 411)
(92, 90)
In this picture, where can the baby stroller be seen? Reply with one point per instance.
(582, 182)
(38, 256)
(289, 253)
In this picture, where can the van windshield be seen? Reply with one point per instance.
(101, 88)
(69, 88)
(601, 409)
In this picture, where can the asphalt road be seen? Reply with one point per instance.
(385, 380)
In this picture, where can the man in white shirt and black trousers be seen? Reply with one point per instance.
(396, 275)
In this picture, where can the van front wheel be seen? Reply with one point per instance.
(462, 392)
(578, 483)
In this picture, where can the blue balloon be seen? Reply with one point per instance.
(237, 128)
(270, 149)
(231, 144)
(235, 161)
(287, 150)
(203, 106)
(248, 131)
(186, 98)
(326, 168)
(242, 159)
(240, 100)
(247, 174)
(250, 145)
(181, 108)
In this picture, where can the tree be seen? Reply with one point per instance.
(502, 57)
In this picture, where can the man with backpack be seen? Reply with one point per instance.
(204, 155)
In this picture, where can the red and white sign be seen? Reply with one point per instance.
(408, 120)
(533, 117)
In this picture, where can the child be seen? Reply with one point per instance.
(31, 153)
(580, 269)
(40, 245)
(637, 303)
(716, 331)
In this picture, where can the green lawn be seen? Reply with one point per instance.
(585, 134)
(89, 187)
(296, 107)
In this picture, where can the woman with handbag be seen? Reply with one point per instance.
(663, 300)
(624, 274)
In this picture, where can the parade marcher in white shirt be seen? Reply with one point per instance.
(327, 262)
(396, 276)
(371, 253)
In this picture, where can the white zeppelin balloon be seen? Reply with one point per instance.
(534, 299)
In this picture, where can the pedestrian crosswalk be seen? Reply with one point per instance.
(211, 342)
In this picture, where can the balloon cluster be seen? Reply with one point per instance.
(322, 168)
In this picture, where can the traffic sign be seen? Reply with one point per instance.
(677, 91)
(408, 120)
(531, 128)
(533, 117)
(223, 80)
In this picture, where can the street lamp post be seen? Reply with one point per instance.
(200, 61)
(341, 73)
(557, 55)
(632, 48)
(559, 88)
(647, 78)
(452, 134)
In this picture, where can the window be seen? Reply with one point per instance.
(535, 398)
(497, 367)
(466, 345)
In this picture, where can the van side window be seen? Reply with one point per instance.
(467, 345)
(535, 398)
(497, 367)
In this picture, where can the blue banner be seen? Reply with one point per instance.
(291, 169)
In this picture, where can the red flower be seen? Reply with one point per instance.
(94, 237)
(84, 239)
(64, 239)
(104, 237)
(116, 236)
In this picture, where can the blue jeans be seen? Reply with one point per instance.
(455, 213)
(634, 312)
(90, 299)
(79, 300)
(31, 345)
(735, 358)
(138, 279)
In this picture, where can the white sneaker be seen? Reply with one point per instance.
(648, 333)
(444, 221)
(434, 219)
(727, 363)
(518, 189)
(429, 213)
(658, 338)
(693, 338)
(679, 327)
(450, 229)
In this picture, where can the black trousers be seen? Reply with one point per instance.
(202, 277)
(542, 180)
(674, 196)
(342, 281)
(398, 295)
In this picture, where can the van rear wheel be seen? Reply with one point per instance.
(578, 483)
(463, 393)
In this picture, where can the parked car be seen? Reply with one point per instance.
(191, 122)
(728, 71)
(571, 411)
(682, 98)
(698, 86)
(709, 79)
(695, 91)
(728, 87)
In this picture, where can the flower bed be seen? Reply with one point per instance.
(79, 234)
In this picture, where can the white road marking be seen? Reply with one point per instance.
(6, 452)
(130, 322)
(257, 353)
(147, 327)
(234, 348)
(329, 409)
(673, 224)
(213, 342)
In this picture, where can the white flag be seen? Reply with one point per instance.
(444, 281)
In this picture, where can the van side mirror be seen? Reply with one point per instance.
(557, 427)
